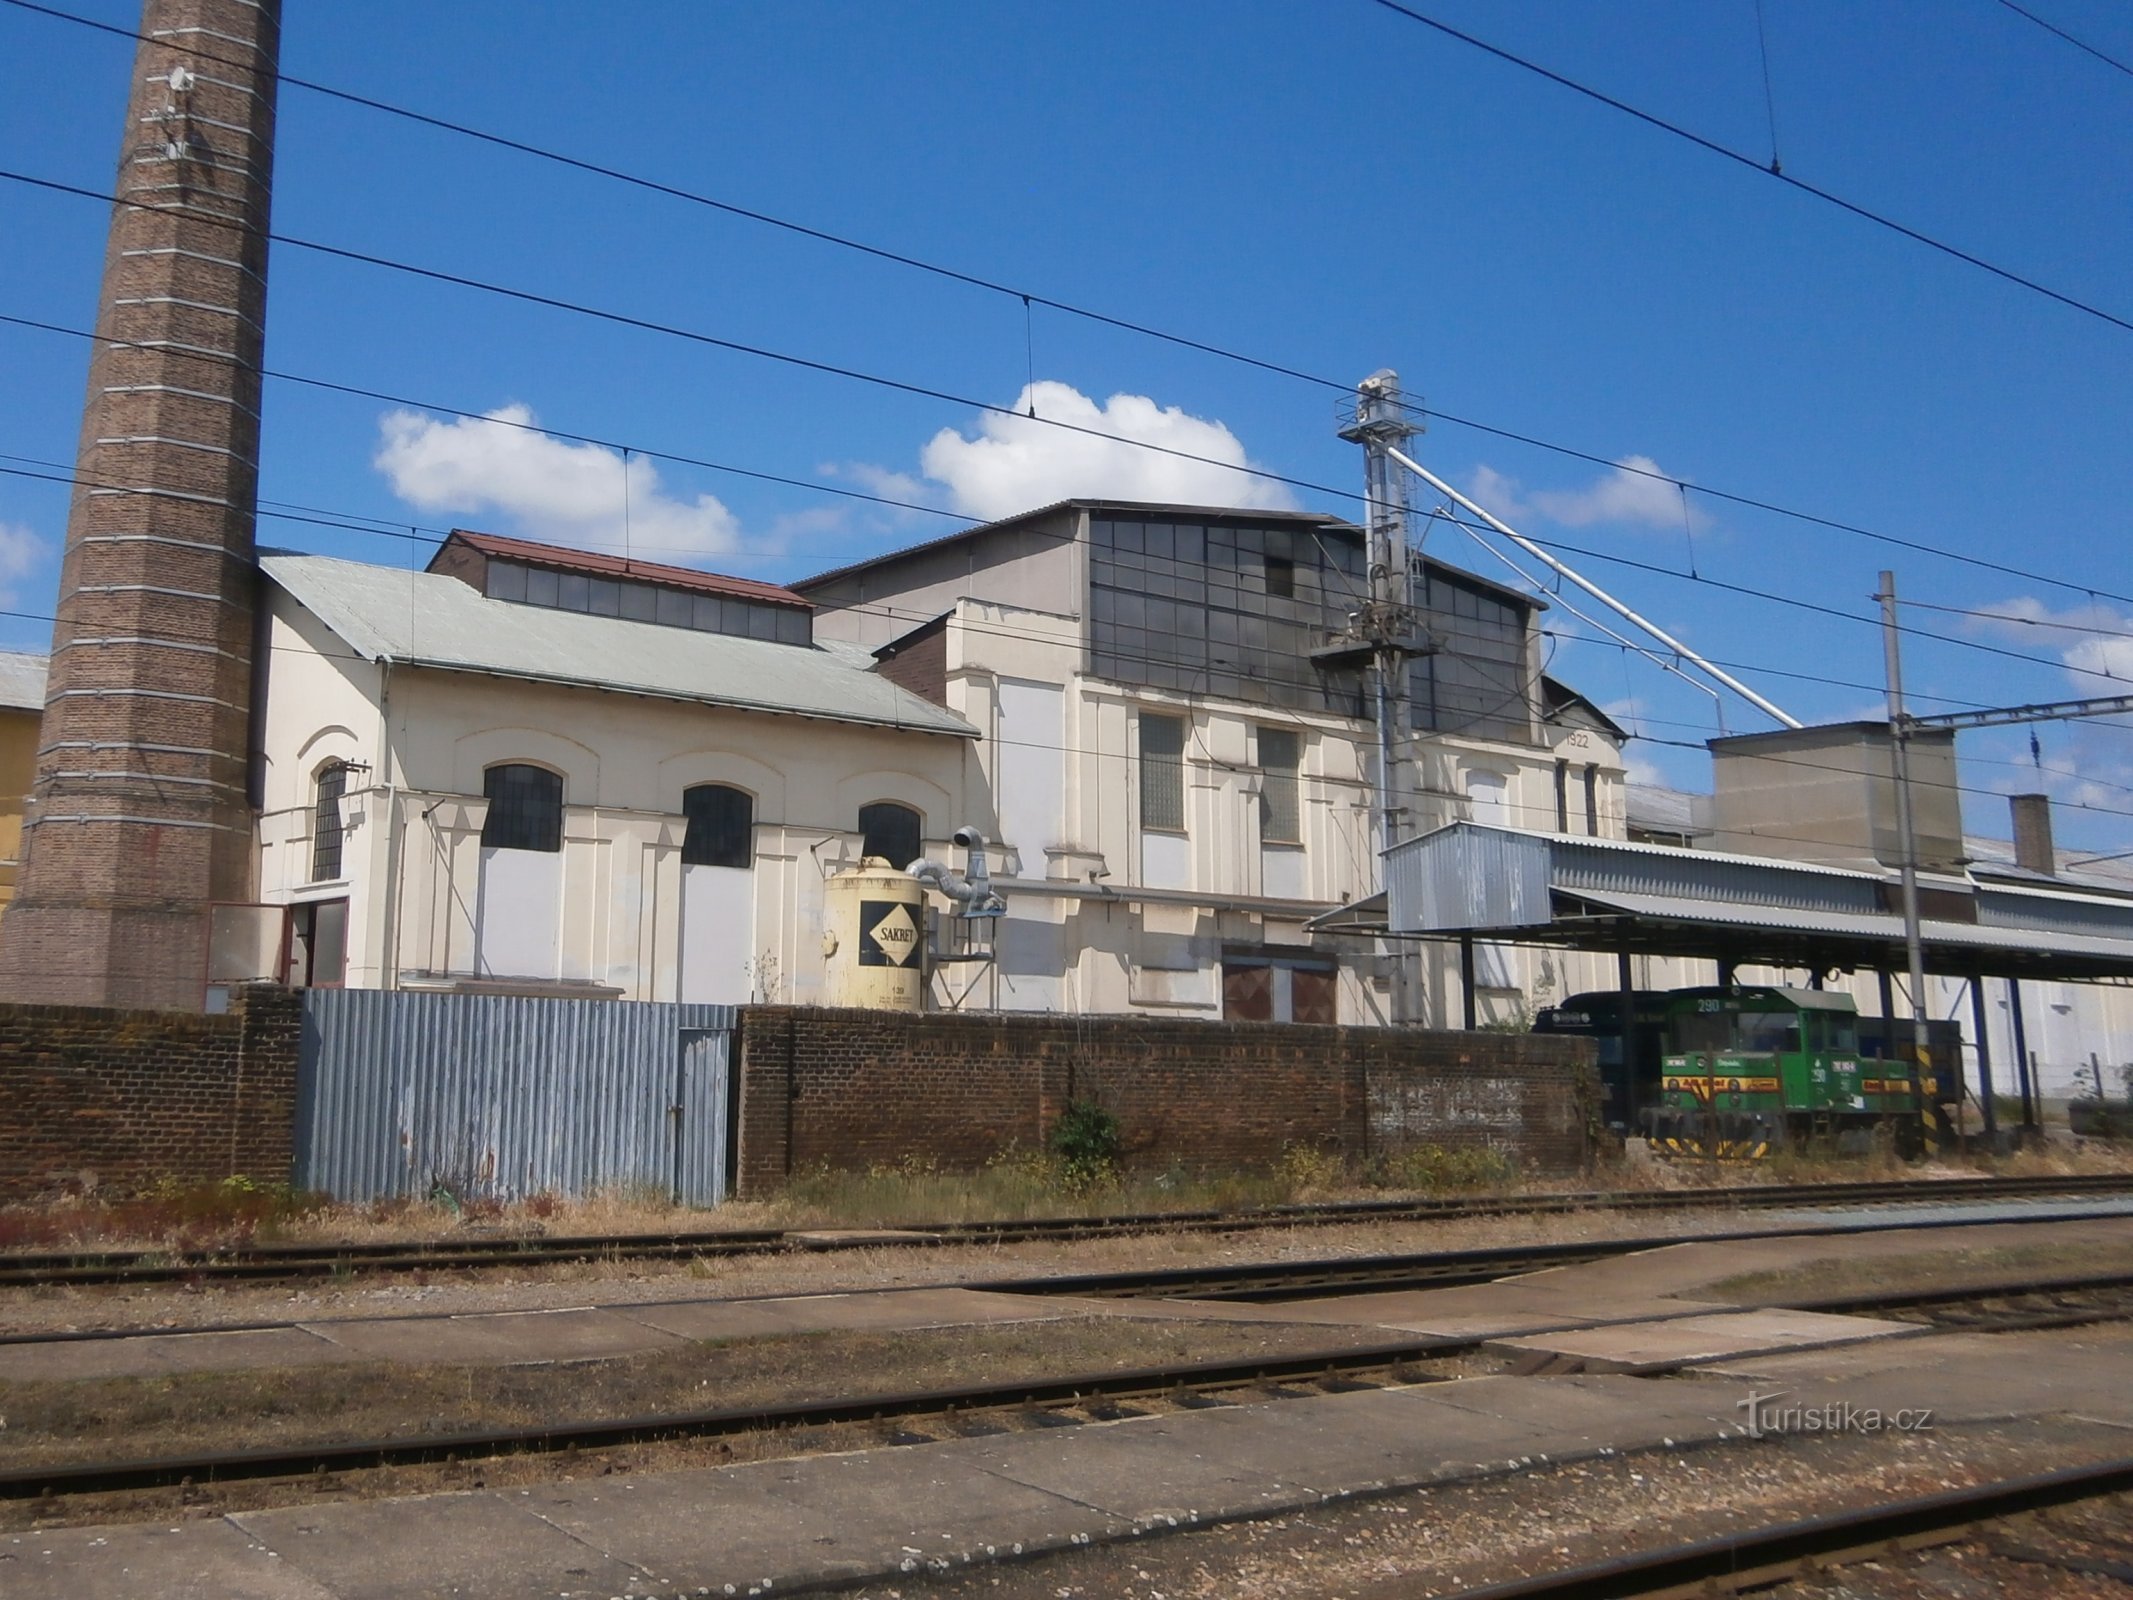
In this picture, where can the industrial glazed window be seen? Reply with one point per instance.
(525, 809)
(1162, 742)
(326, 830)
(1223, 609)
(649, 602)
(1477, 682)
(893, 832)
(721, 827)
(1280, 802)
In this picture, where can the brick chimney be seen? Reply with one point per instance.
(2033, 832)
(139, 816)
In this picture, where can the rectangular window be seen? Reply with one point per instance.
(1280, 577)
(1592, 799)
(326, 830)
(1280, 802)
(1162, 748)
(507, 581)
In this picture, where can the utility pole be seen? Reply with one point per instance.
(1906, 832)
(1384, 628)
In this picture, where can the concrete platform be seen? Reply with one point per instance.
(1733, 1335)
(772, 1527)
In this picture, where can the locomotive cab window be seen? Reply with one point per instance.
(1769, 1032)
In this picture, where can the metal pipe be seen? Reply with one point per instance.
(1595, 590)
(1906, 830)
(1984, 1056)
(2021, 1050)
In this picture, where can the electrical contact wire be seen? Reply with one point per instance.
(1066, 307)
(2079, 44)
(1828, 197)
(60, 473)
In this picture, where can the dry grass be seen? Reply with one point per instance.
(1014, 1186)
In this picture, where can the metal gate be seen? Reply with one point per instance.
(401, 1094)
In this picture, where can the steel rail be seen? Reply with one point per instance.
(270, 1262)
(1336, 1367)
(56, 1479)
(1240, 1281)
(1771, 1555)
(1294, 1280)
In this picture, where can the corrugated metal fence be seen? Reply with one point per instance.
(499, 1095)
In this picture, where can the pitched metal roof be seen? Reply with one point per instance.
(426, 619)
(561, 558)
(22, 677)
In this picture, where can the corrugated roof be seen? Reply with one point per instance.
(22, 676)
(426, 619)
(1951, 935)
(561, 558)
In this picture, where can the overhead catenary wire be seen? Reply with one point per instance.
(1771, 171)
(1196, 698)
(2079, 44)
(1357, 787)
(1031, 297)
(350, 522)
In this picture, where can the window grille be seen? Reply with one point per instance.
(525, 808)
(891, 831)
(326, 830)
(1280, 802)
(1162, 772)
(721, 827)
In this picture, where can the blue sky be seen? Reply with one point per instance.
(1324, 185)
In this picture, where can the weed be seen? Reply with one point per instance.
(1088, 1142)
(1308, 1172)
(1442, 1169)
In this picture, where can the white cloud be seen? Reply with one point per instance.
(1015, 463)
(1635, 491)
(1498, 494)
(2090, 657)
(21, 553)
(547, 488)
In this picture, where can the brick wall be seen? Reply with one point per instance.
(119, 1100)
(850, 1088)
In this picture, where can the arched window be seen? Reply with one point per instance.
(525, 808)
(894, 832)
(326, 832)
(721, 827)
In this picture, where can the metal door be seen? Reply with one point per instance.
(702, 1117)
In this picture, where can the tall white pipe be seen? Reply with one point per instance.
(1595, 590)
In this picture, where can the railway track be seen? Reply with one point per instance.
(1096, 1396)
(299, 1261)
(1249, 1282)
(1783, 1552)
(1103, 1396)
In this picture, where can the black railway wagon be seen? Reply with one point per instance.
(1626, 1092)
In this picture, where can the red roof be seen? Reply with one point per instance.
(560, 558)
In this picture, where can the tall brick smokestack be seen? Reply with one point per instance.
(139, 817)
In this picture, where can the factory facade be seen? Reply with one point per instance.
(542, 771)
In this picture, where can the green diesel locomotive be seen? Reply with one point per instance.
(1751, 1070)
